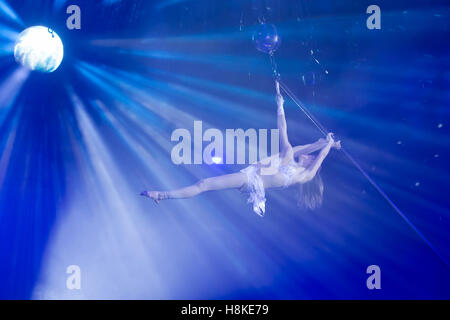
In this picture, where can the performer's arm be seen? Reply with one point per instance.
(315, 166)
(313, 147)
(310, 148)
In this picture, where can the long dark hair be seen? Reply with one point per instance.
(310, 194)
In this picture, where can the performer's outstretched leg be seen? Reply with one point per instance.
(228, 181)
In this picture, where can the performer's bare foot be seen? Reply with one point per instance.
(157, 196)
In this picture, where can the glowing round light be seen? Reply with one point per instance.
(216, 160)
(39, 48)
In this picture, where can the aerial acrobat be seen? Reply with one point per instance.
(294, 166)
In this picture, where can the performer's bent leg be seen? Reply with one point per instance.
(228, 181)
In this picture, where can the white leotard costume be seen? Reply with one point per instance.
(255, 186)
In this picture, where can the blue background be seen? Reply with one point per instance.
(78, 146)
